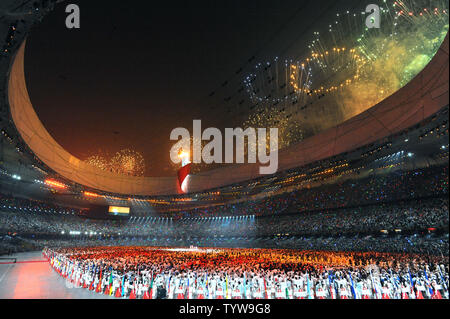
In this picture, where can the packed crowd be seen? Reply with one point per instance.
(411, 216)
(155, 272)
(373, 190)
(431, 244)
(396, 186)
(392, 213)
(12, 203)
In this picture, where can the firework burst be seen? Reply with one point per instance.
(125, 162)
(98, 161)
(128, 162)
(347, 68)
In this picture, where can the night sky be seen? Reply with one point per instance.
(132, 73)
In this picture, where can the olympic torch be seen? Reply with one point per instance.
(183, 172)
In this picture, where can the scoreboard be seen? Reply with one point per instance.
(119, 210)
(106, 212)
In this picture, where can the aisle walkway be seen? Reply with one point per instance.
(33, 278)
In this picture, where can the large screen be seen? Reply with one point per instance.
(118, 210)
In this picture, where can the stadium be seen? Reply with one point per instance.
(358, 206)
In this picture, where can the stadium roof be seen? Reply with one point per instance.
(426, 94)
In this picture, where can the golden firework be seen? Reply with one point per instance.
(128, 162)
(125, 161)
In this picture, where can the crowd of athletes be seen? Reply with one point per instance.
(153, 273)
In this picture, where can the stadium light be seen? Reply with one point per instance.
(89, 194)
(55, 184)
